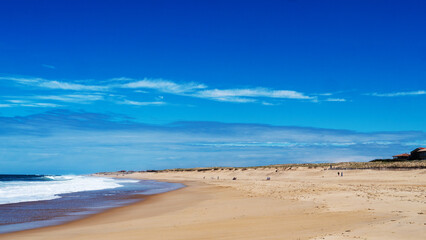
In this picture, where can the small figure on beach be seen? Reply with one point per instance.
(268, 178)
(338, 173)
(341, 174)
(234, 178)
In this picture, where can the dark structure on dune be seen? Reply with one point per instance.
(417, 154)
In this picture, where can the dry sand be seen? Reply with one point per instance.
(295, 204)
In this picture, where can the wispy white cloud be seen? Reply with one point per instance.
(71, 86)
(53, 84)
(250, 94)
(30, 104)
(278, 144)
(22, 80)
(253, 92)
(398, 94)
(267, 103)
(155, 84)
(324, 94)
(119, 79)
(136, 103)
(48, 105)
(163, 85)
(141, 91)
(33, 101)
(231, 99)
(16, 101)
(72, 98)
(335, 100)
(187, 89)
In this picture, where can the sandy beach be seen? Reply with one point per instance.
(299, 203)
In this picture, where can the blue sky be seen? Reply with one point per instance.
(135, 70)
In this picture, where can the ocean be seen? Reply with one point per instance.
(32, 201)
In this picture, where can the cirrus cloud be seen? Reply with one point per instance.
(399, 94)
(249, 94)
(147, 86)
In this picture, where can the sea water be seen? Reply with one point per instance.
(31, 201)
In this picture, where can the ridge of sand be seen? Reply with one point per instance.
(295, 204)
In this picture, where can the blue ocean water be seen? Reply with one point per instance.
(29, 178)
(31, 201)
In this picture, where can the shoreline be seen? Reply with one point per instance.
(295, 204)
(111, 212)
(77, 206)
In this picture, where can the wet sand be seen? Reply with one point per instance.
(295, 204)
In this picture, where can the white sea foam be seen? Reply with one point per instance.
(14, 192)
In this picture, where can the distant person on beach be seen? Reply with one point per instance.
(341, 174)
(338, 173)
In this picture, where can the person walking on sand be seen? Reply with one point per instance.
(338, 173)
